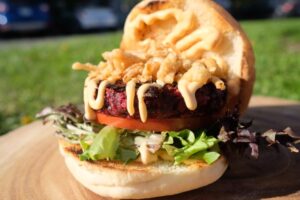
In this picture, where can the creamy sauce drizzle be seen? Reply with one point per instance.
(142, 106)
(188, 91)
(97, 103)
(89, 112)
(92, 103)
(130, 94)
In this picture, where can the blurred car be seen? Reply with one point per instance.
(96, 17)
(95, 14)
(288, 8)
(225, 4)
(253, 9)
(63, 18)
(23, 15)
(70, 16)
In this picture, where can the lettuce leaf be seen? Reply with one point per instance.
(208, 156)
(108, 144)
(127, 151)
(126, 155)
(104, 145)
(183, 145)
(103, 142)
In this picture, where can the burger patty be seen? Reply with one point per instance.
(165, 102)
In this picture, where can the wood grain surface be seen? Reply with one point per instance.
(31, 167)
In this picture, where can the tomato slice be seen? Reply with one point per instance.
(157, 125)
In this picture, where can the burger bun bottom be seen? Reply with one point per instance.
(135, 180)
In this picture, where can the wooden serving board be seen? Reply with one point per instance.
(31, 167)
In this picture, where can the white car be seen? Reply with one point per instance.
(96, 17)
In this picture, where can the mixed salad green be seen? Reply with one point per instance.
(106, 142)
(100, 142)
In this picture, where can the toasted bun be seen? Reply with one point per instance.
(234, 47)
(135, 180)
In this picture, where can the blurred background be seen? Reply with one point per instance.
(40, 39)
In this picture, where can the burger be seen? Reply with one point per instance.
(156, 109)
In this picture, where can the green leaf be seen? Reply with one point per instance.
(84, 145)
(185, 136)
(191, 146)
(170, 140)
(211, 157)
(203, 143)
(171, 150)
(126, 155)
(104, 145)
(84, 156)
(127, 141)
(186, 153)
(208, 156)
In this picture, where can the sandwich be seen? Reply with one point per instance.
(159, 109)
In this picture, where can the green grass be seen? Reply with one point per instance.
(277, 50)
(33, 76)
(38, 74)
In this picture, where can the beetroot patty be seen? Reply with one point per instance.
(165, 102)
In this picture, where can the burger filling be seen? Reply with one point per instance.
(163, 103)
(100, 142)
(95, 142)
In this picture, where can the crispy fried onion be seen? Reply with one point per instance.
(185, 54)
(164, 67)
